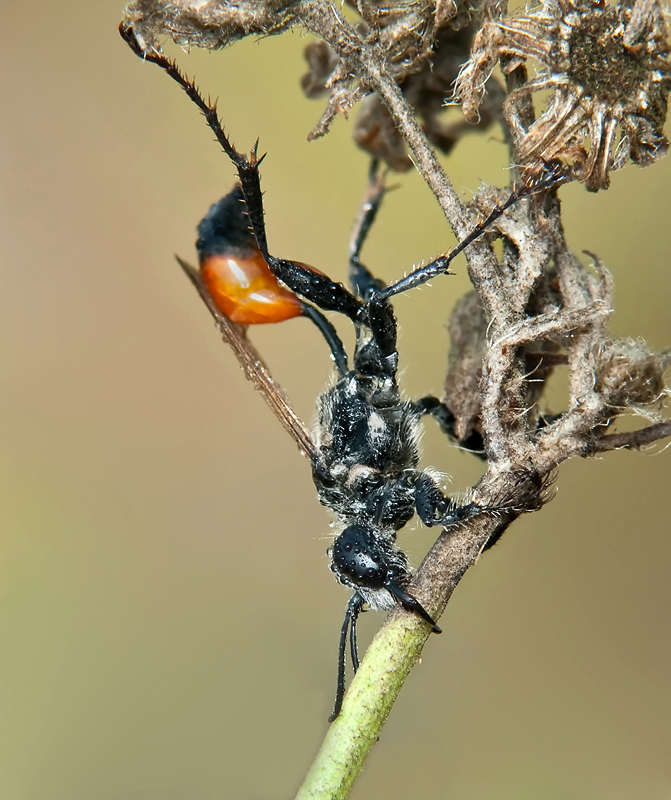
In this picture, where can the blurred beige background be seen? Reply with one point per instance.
(168, 624)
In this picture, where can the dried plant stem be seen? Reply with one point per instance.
(322, 19)
(634, 440)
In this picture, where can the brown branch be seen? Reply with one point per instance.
(633, 440)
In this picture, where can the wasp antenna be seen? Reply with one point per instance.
(349, 624)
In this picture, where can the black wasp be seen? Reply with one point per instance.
(364, 452)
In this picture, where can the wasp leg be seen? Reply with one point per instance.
(432, 406)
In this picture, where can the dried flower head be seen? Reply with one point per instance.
(425, 78)
(628, 374)
(607, 69)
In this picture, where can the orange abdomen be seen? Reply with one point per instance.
(246, 291)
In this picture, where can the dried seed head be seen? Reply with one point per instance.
(424, 48)
(628, 374)
(608, 71)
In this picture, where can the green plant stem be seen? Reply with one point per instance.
(374, 689)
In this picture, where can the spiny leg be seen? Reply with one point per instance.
(440, 265)
(301, 279)
(378, 304)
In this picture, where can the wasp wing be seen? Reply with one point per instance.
(254, 368)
